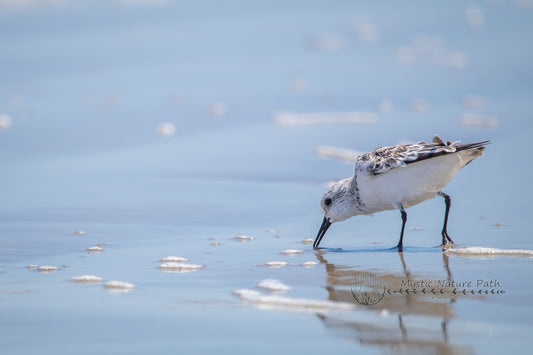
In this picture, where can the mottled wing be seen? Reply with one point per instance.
(383, 159)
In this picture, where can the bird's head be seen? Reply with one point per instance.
(337, 205)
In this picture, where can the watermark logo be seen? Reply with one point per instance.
(368, 289)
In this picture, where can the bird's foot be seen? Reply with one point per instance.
(447, 245)
(447, 242)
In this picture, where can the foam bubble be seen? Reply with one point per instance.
(174, 259)
(419, 105)
(367, 31)
(244, 238)
(289, 119)
(86, 279)
(457, 60)
(289, 303)
(292, 252)
(218, 109)
(308, 241)
(5, 121)
(119, 286)
(483, 252)
(478, 121)
(276, 264)
(166, 129)
(95, 250)
(47, 269)
(309, 264)
(273, 285)
(342, 154)
(180, 267)
(475, 17)
(32, 267)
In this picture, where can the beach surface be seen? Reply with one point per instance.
(163, 164)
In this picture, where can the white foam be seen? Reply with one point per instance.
(483, 252)
(166, 129)
(86, 279)
(475, 17)
(276, 264)
(309, 264)
(79, 232)
(218, 109)
(119, 286)
(95, 250)
(5, 121)
(273, 285)
(180, 267)
(419, 105)
(289, 119)
(292, 252)
(342, 154)
(474, 120)
(289, 303)
(308, 241)
(46, 268)
(32, 267)
(244, 238)
(367, 31)
(174, 259)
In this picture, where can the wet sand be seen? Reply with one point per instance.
(172, 146)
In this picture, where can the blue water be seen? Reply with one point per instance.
(87, 83)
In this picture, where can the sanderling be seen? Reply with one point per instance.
(397, 177)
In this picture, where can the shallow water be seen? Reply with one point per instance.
(86, 87)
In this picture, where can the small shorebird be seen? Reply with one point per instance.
(398, 177)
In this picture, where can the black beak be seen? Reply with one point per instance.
(323, 229)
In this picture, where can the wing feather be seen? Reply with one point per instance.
(383, 159)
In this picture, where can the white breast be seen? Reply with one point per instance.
(409, 185)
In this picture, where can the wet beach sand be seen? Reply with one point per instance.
(163, 163)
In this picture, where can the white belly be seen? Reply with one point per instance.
(408, 186)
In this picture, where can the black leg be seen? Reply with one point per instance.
(445, 237)
(404, 219)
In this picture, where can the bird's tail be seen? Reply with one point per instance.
(480, 146)
(472, 151)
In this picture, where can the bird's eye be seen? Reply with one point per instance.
(327, 201)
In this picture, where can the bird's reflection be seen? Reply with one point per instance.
(401, 322)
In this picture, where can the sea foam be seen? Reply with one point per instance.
(291, 304)
(483, 252)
